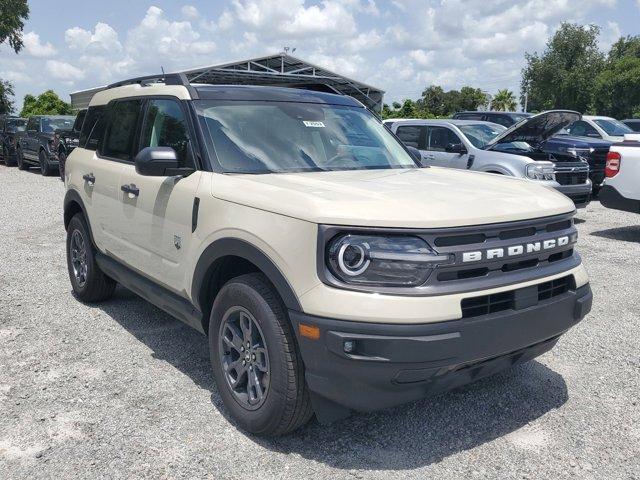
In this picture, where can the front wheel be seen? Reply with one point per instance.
(89, 283)
(255, 358)
(62, 158)
(45, 167)
(21, 163)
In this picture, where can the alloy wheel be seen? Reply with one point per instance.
(79, 258)
(244, 357)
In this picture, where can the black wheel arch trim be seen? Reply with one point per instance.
(72, 196)
(236, 247)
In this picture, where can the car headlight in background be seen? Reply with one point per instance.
(382, 260)
(541, 171)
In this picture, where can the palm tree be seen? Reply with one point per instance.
(504, 101)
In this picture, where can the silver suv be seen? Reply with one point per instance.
(488, 147)
(329, 271)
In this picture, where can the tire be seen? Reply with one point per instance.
(8, 161)
(21, 163)
(285, 405)
(87, 280)
(62, 158)
(45, 168)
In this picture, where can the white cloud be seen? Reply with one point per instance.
(34, 47)
(190, 12)
(102, 41)
(64, 71)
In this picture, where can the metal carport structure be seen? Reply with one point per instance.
(280, 69)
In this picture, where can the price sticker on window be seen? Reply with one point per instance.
(309, 123)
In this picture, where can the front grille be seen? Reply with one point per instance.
(571, 178)
(499, 302)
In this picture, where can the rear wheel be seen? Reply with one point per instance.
(45, 167)
(255, 358)
(21, 163)
(87, 280)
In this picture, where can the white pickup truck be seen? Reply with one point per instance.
(621, 188)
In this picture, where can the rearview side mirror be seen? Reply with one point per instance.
(159, 162)
(455, 148)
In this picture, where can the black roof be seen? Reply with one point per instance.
(272, 94)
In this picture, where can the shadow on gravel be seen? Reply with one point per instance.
(625, 234)
(406, 437)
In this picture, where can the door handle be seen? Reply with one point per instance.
(89, 178)
(130, 189)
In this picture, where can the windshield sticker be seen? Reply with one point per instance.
(308, 123)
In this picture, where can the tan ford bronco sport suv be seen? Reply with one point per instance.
(330, 273)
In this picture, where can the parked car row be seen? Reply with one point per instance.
(556, 147)
(42, 141)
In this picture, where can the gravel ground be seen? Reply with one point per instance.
(122, 390)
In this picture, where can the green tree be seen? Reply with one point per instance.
(470, 99)
(617, 87)
(625, 47)
(433, 100)
(564, 75)
(47, 103)
(6, 92)
(13, 13)
(504, 101)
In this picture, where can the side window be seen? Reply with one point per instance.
(165, 126)
(412, 135)
(121, 129)
(500, 120)
(582, 129)
(77, 124)
(440, 137)
(93, 128)
(33, 123)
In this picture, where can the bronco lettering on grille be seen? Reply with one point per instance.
(515, 250)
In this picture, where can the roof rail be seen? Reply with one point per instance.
(167, 79)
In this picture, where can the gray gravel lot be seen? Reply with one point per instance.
(122, 390)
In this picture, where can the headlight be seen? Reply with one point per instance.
(580, 152)
(541, 171)
(377, 260)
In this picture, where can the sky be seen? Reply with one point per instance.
(400, 46)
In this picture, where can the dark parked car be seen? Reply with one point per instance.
(38, 145)
(593, 150)
(506, 119)
(9, 128)
(69, 140)
(632, 123)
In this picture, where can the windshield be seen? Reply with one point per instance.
(266, 137)
(19, 124)
(613, 127)
(481, 134)
(50, 125)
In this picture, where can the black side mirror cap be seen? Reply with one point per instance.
(159, 162)
(455, 148)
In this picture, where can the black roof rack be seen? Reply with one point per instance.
(165, 78)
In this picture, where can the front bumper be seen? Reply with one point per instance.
(393, 364)
(579, 194)
(611, 198)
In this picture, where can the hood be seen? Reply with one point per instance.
(579, 142)
(535, 130)
(412, 198)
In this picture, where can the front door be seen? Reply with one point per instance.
(159, 217)
(438, 137)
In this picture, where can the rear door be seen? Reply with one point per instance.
(415, 136)
(438, 137)
(159, 217)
